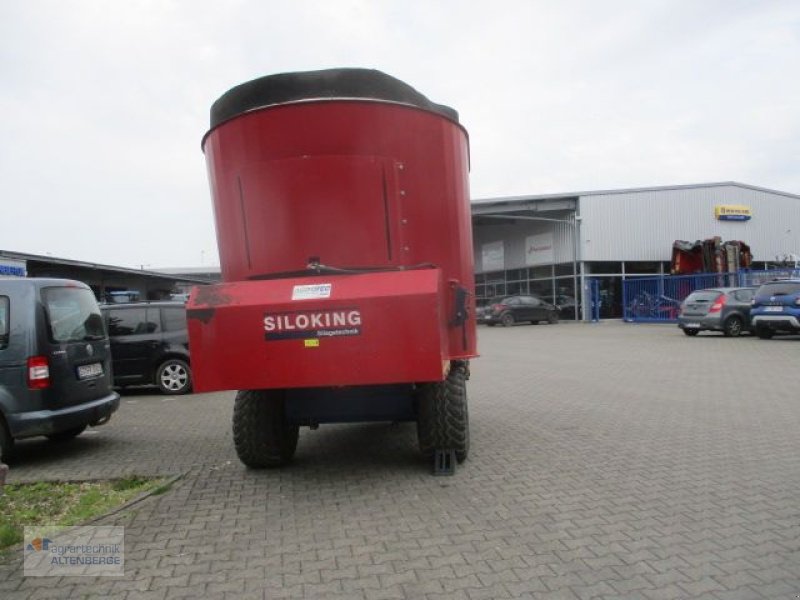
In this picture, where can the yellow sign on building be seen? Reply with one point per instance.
(732, 212)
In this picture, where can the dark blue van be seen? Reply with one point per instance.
(55, 361)
(776, 308)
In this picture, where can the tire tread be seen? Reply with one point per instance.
(443, 420)
(261, 435)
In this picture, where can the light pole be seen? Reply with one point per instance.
(574, 222)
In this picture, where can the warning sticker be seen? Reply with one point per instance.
(309, 292)
(311, 343)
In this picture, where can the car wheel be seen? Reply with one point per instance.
(65, 436)
(443, 420)
(507, 319)
(491, 324)
(690, 332)
(6, 442)
(764, 333)
(733, 327)
(174, 377)
(552, 318)
(261, 433)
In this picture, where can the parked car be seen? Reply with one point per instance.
(566, 306)
(481, 308)
(776, 307)
(724, 309)
(150, 345)
(55, 362)
(519, 309)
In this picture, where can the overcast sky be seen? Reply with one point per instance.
(103, 104)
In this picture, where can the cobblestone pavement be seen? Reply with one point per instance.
(608, 461)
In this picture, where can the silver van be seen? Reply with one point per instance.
(55, 361)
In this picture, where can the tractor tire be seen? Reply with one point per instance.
(765, 333)
(65, 436)
(443, 415)
(690, 332)
(733, 327)
(261, 434)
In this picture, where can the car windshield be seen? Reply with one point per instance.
(780, 288)
(72, 314)
(703, 296)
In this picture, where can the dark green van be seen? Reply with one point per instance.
(55, 361)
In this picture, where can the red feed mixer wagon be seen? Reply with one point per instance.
(343, 222)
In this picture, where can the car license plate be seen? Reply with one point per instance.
(691, 325)
(88, 371)
(773, 309)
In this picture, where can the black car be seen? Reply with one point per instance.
(150, 345)
(518, 309)
(566, 306)
(55, 365)
(722, 309)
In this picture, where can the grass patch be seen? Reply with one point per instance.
(53, 503)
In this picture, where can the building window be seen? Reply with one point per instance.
(543, 289)
(565, 269)
(541, 272)
(642, 268)
(604, 268)
(516, 287)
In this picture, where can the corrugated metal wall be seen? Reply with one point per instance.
(643, 225)
(514, 236)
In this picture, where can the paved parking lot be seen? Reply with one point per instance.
(608, 461)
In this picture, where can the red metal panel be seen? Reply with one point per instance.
(297, 208)
(372, 328)
(355, 183)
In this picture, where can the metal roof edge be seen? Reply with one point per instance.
(516, 199)
(188, 271)
(79, 263)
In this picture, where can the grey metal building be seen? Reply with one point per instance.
(551, 244)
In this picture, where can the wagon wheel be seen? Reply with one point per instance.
(262, 435)
(443, 419)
